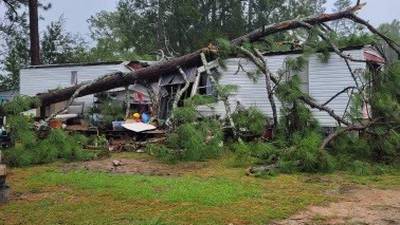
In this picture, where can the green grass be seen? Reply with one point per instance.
(216, 194)
(214, 191)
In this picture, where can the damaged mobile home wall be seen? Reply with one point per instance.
(41, 78)
(322, 80)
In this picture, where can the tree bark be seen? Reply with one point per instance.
(120, 79)
(34, 32)
(179, 94)
(270, 92)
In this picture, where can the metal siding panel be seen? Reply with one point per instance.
(325, 80)
(40, 80)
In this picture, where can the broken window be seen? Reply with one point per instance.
(206, 86)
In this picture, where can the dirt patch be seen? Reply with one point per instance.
(359, 206)
(138, 166)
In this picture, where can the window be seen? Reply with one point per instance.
(74, 77)
(206, 86)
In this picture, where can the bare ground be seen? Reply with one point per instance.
(137, 166)
(358, 206)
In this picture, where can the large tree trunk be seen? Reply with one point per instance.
(189, 60)
(120, 79)
(34, 32)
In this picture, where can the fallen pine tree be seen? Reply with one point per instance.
(116, 80)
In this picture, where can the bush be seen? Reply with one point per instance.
(243, 154)
(360, 168)
(184, 115)
(251, 120)
(303, 155)
(19, 156)
(254, 152)
(191, 142)
(164, 153)
(30, 150)
(307, 155)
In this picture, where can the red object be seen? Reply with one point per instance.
(268, 133)
(138, 96)
(373, 56)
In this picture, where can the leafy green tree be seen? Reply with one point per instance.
(392, 30)
(14, 46)
(179, 26)
(59, 46)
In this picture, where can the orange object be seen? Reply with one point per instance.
(55, 124)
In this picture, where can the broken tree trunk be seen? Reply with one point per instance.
(268, 85)
(120, 79)
(179, 94)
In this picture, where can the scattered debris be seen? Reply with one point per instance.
(117, 163)
(255, 170)
(4, 189)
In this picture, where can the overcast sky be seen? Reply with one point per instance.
(76, 12)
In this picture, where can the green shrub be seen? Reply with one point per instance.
(242, 155)
(164, 153)
(19, 156)
(30, 150)
(304, 155)
(251, 120)
(184, 115)
(21, 129)
(191, 142)
(360, 168)
(307, 155)
(19, 104)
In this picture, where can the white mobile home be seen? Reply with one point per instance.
(321, 80)
(42, 78)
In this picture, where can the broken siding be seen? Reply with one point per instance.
(325, 80)
(40, 80)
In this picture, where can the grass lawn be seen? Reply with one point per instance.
(215, 194)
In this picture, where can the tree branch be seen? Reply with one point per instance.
(179, 94)
(11, 7)
(339, 93)
(271, 99)
(339, 132)
(395, 46)
(309, 101)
